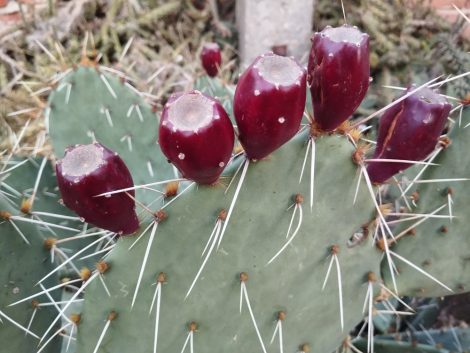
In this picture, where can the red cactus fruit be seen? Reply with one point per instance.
(338, 74)
(90, 170)
(269, 103)
(196, 135)
(408, 130)
(211, 58)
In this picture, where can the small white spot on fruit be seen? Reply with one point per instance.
(257, 92)
(181, 156)
(107, 196)
(221, 164)
(216, 117)
(330, 55)
(164, 123)
(281, 120)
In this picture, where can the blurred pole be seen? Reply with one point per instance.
(282, 26)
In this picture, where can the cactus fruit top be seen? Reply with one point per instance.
(338, 74)
(269, 103)
(196, 135)
(90, 170)
(211, 58)
(410, 131)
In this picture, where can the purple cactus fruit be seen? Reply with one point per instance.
(338, 74)
(408, 130)
(90, 170)
(197, 136)
(269, 103)
(211, 58)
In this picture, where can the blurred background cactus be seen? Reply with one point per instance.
(296, 252)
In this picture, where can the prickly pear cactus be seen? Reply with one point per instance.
(286, 252)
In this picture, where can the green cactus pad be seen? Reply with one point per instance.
(85, 107)
(22, 266)
(256, 231)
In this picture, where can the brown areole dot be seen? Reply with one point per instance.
(26, 205)
(299, 199)
(5, 215)
(85, 273)
(358, 155)
(222, 215)
(445, 142)
(380, 244)
(171, 189)
(371, 277)
(102, 267)
(334, 250)
(161, 278)
(49, 243)
(75, 318)
(160, 216)
(243, 277)
(192, 326)
(112, 316)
